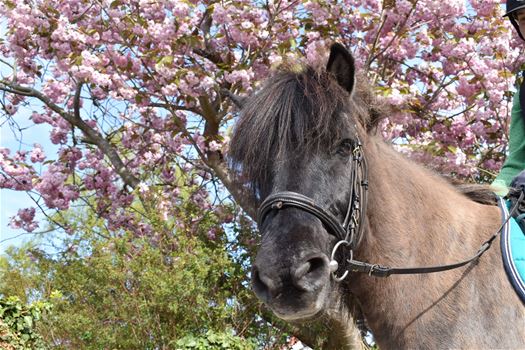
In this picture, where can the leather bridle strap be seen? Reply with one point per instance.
(296, 200)
(385, 271)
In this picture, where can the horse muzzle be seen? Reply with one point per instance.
(293, 289)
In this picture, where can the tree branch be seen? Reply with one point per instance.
(75, 120)
(241, 194)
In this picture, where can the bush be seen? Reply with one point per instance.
(18, 322)
(213, 340)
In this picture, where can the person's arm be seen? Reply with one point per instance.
(515, 161)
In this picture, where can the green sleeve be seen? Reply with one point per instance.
(515, 161)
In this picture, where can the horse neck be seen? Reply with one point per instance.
(415, 218)
(410, 204)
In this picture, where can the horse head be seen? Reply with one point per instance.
(299, 144)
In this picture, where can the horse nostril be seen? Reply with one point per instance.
(309, 274)
(263, 286)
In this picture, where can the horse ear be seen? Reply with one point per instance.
(341, 65)
(237, 100)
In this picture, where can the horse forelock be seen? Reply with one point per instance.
(294, 114)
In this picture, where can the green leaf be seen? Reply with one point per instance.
(115, 3)
(28, 321)
(165, 61)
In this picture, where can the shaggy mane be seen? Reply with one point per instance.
(296, 113)
(482, 194)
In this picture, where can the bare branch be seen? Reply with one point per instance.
(174, 107)
(211, 56)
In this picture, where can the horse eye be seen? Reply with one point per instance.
(345, 147)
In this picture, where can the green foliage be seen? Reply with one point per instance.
(18, 324)
(121, 291)
(212, 340)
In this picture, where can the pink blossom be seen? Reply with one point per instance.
(25, 219)
(54, 191)
(58, 136)
(70, 156)
(429, 59)
(214, 146)
(20, 156)
(212, 234)
(57, 90)
(39, 118)
(200, 141)
(10, 109)
(37, 154)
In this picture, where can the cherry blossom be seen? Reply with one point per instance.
(134, 92)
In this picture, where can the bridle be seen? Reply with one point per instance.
(350, 231)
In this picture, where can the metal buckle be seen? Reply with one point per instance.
(372, 269)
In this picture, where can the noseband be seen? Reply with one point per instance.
(350, 231)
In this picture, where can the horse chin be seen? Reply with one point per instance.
(299, 315)
(307, 312)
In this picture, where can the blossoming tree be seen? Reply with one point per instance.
(136, 93)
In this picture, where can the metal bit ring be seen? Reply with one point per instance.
(334, 264)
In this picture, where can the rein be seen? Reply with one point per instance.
(349, 233)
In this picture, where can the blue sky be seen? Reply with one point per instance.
(11, 201)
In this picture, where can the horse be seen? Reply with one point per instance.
(331, 192)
